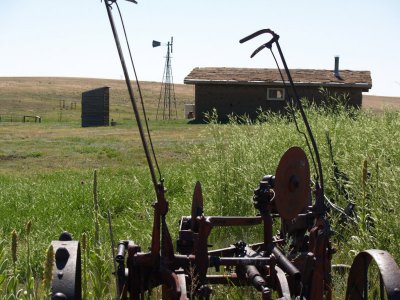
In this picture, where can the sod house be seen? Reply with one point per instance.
(244, 91)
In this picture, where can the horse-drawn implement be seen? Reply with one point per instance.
(295, 263)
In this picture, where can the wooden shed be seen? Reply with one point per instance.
(243, 91)
(96, 107)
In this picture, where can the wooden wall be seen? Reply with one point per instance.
(248, 99)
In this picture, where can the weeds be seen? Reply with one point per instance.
(29, 292)
(48, 271)
(85, 258)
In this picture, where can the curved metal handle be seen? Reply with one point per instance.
(320, 204)
(109, 2)
(268, 45)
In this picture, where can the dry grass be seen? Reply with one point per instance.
(60, 143)
(380, 103)
(29, 148)
(42, 96)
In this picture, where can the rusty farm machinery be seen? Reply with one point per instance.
(295, 263)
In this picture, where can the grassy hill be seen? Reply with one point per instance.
(44, 96)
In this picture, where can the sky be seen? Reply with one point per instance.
(74, 39)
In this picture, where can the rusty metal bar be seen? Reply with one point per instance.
(286, 264)
(268, 45)
(238, 261)
(228, 251)
(234, 221)
(213, 261)
(308, 127)
(226, 279)
(108, 4)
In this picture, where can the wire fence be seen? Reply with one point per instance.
(23, 119)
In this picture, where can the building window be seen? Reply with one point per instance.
(275, 94)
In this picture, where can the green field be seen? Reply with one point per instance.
(46, 175)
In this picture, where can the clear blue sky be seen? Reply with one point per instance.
(73, 38)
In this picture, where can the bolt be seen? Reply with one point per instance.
(59, 296)
(266, 294)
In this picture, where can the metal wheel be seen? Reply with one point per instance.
(380, 280)
(283, 285)
(66, 280)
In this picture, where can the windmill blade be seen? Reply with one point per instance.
(156, 43)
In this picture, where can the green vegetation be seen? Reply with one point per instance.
(47, 186)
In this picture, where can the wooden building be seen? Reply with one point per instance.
(243, 91)
(96, 107)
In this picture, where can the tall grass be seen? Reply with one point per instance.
(229, 163)
(238, 155)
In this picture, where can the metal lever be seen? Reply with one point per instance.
(113, 1)
(268, 45)
(275, 39)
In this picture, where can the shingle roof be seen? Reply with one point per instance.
(255, 76)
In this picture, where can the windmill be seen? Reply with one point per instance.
(166, 101)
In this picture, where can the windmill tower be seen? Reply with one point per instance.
(166, 107)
